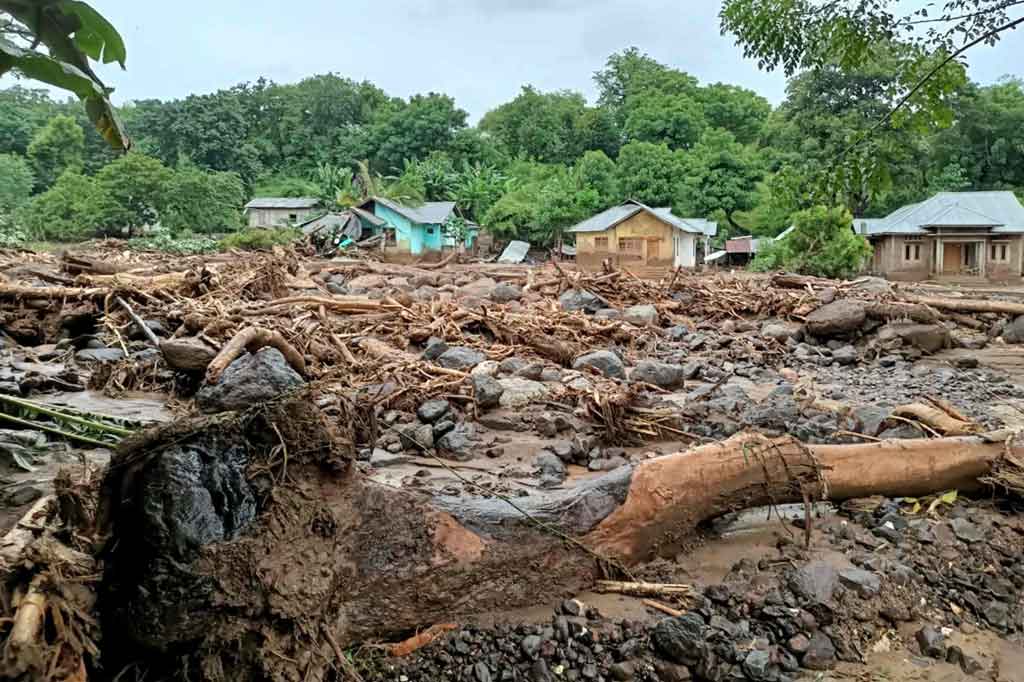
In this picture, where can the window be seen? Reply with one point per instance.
(631, 245)
(430, 230)
(999, 252)
(600, 243)
(911, 252)
(293, 217)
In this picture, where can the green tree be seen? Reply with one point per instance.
(64, 212)
(202, 201)
(23, 111)
(822, 244)
(16, 182)
(721, 175)
(597, 172)
(56, 147)
(476, 188)
(740, 111)
(650, 173)
(131, 192)
(411, 131)
(656, 116)
(283, 185)
(551, 127)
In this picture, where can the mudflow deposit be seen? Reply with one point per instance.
(276, 467)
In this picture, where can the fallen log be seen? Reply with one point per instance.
(938, 419)
(251, 339)
(897, 311)
(970, 305)
(21, 292)
(369, 561)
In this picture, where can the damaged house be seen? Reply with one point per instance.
(279, 211)
(633, 235)
(413, 230)
(953, 235)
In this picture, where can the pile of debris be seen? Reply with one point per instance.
(343, 425)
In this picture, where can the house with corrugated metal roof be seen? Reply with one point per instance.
(416, 229)
(281, 211)
(961, 235)
(635, 235)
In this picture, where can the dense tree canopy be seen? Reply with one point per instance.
(533, 165)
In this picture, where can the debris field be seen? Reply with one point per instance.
(282, 466)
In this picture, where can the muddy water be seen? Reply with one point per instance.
(139, 406)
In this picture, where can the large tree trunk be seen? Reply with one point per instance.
(324, 548)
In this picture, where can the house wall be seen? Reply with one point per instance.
(1010, 269)
(656, 243)
(407, 239)
(890, 258)
(275, 217)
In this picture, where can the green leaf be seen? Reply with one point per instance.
(95, 36)
(60, 74)
(948, 498)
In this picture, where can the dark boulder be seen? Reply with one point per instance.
(836, 318)
(251, 379)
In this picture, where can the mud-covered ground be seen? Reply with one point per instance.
(881, 594)
(888, 589)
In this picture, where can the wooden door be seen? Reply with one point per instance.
(952, 258)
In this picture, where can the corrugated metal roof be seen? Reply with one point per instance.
(1000, 211)
(515, 252)
(430, 212)
(611, 217)
(283, 202)
(367, 216)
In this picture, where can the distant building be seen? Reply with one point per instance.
(633, 234)
(281, 211)
(963, 235)
(414, 229)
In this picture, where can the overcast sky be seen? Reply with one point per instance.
(478, 51)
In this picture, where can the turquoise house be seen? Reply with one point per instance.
(413, 229)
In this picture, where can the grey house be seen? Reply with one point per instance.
(281, 211)
(953, 235)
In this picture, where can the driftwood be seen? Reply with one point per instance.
(13, 544)
(895, 311)
(252, 339)
(938, 419)
(476, 547)
(969, 305)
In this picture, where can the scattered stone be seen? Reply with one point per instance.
(661, 374)
(681, 640)
(435, 348)
(799, 643)
(847, 355)
(580, 299)
(519, 392)
(549, 465)
(479, 288)
(820, 654)
(815, 581)
(870, 418)
(551, 374)
(604, 361)
(929, 338)
(644, 315)
(866, 583)
(839, 317)
(457, 444)
(442, 427)
(532, 371)
(511, 365)
(99, 355)
(487, 391)
(678, 332)
(460, 357)
(1014, 331)
(505, 292)
(755, 665)
(487, 368)
(416, 436)
(432, 410)
(931, 642)
(367, 282)
(574, 607)
(967, 531)
(251, 379)
(780, 331)
(187, 354)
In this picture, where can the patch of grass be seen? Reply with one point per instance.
(257, 239)
(181, 244)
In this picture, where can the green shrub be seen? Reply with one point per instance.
(184, 244)
(257, 239)
(823, 244)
